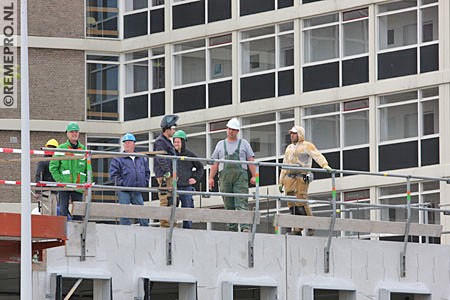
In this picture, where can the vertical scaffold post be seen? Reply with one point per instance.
(326, 253)
(408, 222)
(88, 206)
(172, 213)
(251, 241)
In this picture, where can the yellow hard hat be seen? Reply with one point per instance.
(52, 143)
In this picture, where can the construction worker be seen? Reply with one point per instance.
(296, 182)
(163, 167)
(233, 178)
(43, 174)
(189, 172)
(130, 171)
(70, 171)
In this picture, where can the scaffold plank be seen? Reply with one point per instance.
(322, 223)
(134, 211)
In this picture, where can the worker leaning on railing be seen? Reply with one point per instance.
(70, 171)
(162, 166)
(296, 182)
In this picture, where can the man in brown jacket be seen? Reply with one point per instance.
(296, 182)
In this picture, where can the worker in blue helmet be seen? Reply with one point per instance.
(130, 171)
(162, 166)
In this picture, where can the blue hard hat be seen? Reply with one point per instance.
(128, 137)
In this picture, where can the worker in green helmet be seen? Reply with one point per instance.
(189, 172)
(70, 171)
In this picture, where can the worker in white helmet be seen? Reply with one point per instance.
(233, 178)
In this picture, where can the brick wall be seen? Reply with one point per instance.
(10, 170)
(56, 81)
(56, 18)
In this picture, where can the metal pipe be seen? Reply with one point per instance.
(88, 207)
(25, 219)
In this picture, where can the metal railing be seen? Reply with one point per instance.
(335, 205)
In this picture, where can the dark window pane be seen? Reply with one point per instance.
(219, 10)
(397, 63)
(248, 7)
(285, 82)
(157, 20)
(267, 175)
(334, 161)
(189, 14)
(430, 152)
(429, 58)
(258, 87)
(355, 71)
(398, 156)
(219, 93)
(136, 107)
(157, 104)
(310, 1)
(135, 25)
(321, 77)
(285, 3)
(356, 159)
(191, 98)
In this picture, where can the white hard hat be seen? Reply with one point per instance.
(293, 130)
(234, 124)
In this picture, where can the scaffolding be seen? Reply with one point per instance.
(332, 224)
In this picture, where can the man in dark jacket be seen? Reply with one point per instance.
(163, 167)
(130, 171)
(43, 174)
(189, 172)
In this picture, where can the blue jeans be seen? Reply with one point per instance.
(134, 198)
(64, 197)
(186, 201)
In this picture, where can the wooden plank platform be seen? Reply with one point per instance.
(355, 225)
(193, 214)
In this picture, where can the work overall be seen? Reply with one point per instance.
(234, 179)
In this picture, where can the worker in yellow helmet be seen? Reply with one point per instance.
(48, 204)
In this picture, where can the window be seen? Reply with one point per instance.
(140, 80)
(202, 73)
(248, 7)
(102, 87)
(187, 13)
(267, 62)
(407, 38)
(425, 194)
(341, 132)
(238, 291)
(409, 129)
(335, 50)
(159, 290)
(143, 17)
(316, 292)
(101, 18)
(80, 287)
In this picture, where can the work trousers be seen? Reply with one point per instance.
(64, 198)
(186, 201)
(296, 186)
(234, 180)
(134, 198)
(165, 197)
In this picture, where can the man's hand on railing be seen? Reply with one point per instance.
(253, 180)
(328, 168)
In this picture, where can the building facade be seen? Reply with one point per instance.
(368, 79)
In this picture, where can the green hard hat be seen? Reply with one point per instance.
(179, 134)
(72, 126)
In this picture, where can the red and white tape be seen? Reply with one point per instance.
(39, 152)
(56, 184)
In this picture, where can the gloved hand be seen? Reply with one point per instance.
(328, 168)
(166, 175)
(280, 188)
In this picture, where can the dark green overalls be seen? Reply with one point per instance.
(234, 179)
